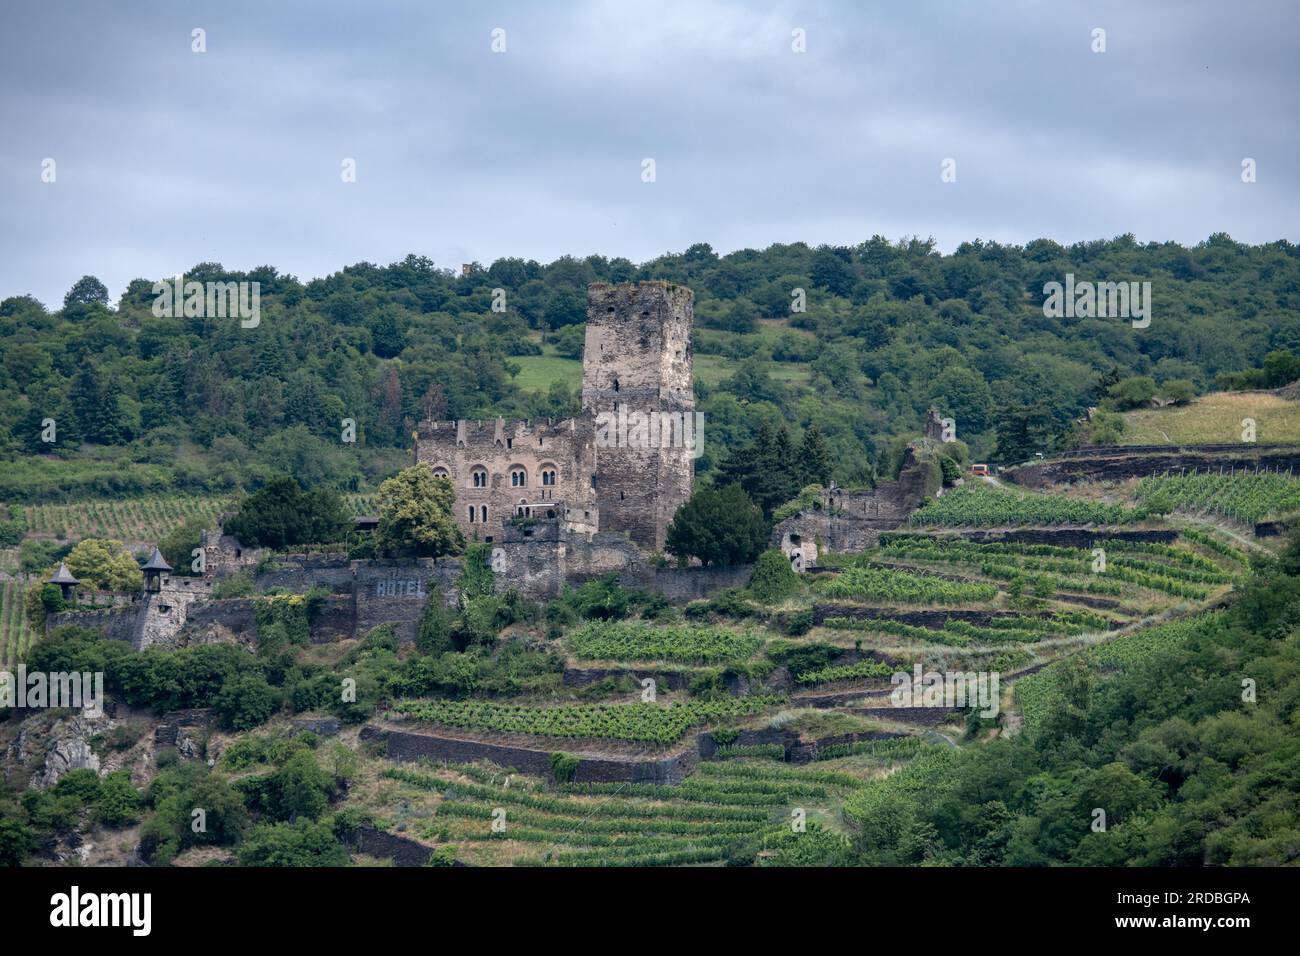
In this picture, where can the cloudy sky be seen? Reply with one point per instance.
(165, 157)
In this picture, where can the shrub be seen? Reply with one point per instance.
(303, 843)
(773, 579)
(246, 702)
(563, 767)
(118, 802)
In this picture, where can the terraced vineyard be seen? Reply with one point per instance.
(642, 722)
(902, 587)
(644, 641)
(722, 806)
(1172, 571)
(983, 505)
(1245, 497)
(16, 635)
(1026, 630)
(1039, 694)
(139, 519)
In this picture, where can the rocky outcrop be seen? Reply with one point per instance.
(68, 748)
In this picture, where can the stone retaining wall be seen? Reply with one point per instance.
(1120, 465)
(389, 846)
(404, 745)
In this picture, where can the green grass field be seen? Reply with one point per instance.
(538, 372)
(1214, 418)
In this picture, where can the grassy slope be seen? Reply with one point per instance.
(537, 372)
(1215, 418)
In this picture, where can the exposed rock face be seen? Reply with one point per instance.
(68, 749)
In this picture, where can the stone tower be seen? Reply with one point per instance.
(637, 385)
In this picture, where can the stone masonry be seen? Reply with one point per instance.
(626, 464)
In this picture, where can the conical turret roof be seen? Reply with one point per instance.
(156, 562)
(63, 576)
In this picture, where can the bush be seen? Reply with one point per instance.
(303, 843)
(118, 802)
(773, 579)
(246, 702)
(563, 767)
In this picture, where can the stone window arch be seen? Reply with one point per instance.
(518, 476)
(440, 472)
(471, 514)
(550, 476)
(483, 511)
(478, 477)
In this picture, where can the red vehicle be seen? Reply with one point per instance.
(981, 470)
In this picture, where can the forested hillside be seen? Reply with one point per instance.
(202, 405)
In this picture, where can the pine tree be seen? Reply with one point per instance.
(814, 458)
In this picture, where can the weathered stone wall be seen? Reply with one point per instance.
(403, 745)
(394, 591)
(163, 612)
(210, 621)
(539, 559)
(637, 360)
(301, 572)
(504, 453)
(680, 585)
(1120, 464)
(224, 555)
(116, 624)
(851, 521)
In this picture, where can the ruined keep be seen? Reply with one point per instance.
(626, 464)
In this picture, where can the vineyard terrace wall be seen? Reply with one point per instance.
(406, 746)
(1116, 464)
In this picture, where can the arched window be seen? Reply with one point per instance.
(471, 514)
(484, 512)
(549, 476)
(478, 477)
(518, 477)
(440, 472)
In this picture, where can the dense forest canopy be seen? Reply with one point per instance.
(144, 403)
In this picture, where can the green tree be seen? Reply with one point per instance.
(282, 514)
(1180, 391)
(1134, 392)
(178, 544)
(964, 395)
(415, 515)
(814, 458)
(718, 527)
(246, 702)
(86, 291)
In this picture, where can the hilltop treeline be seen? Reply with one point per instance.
(144, 403)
